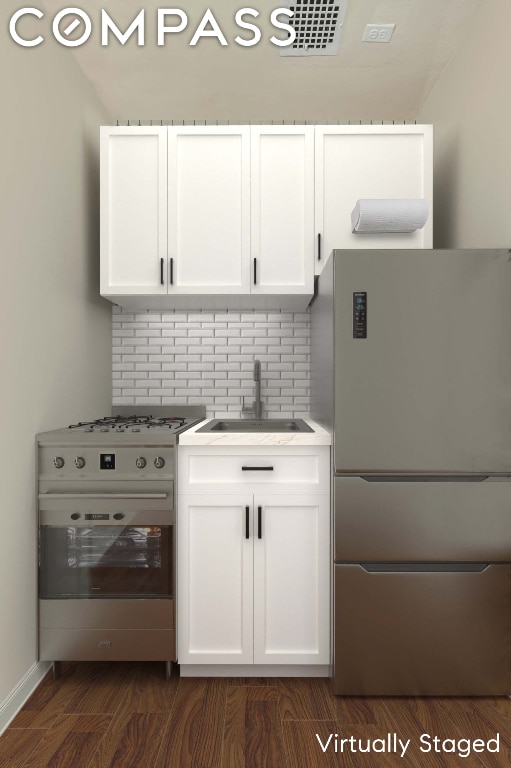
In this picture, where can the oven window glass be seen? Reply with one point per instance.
(105, 561)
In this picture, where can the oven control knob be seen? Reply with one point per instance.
(58, 462)
(140, 462)
(80, 462)
(75, 516)
(159, 462)
(119, 516)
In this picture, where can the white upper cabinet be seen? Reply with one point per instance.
(243, 216)
(209, 209)
(133, 210)
(282, 205)
(369, 161)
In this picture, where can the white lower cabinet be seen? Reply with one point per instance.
(215, 580)
(254, 577)
(291, 579)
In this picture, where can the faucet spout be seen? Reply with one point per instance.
(256, 409)
(258, 405)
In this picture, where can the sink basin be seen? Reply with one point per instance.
(256, 425)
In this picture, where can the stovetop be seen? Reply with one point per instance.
(130, 425)
(134, 423)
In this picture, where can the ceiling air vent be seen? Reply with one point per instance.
(318, 25)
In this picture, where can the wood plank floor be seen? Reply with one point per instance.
(121, 715)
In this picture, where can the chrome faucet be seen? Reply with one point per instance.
(256, 410)
(258, 406)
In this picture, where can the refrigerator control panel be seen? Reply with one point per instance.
(360, 315)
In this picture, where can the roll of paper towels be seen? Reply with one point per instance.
(384, 215)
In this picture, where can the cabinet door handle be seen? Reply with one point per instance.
(255, 271)
(172, 271)
(161, 271)
(259, 522)
(257, 469)
(319, 246)
(247, 522)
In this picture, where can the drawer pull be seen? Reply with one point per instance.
(257, 469)
(259, 522)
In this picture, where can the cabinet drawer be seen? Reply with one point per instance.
(205, 470)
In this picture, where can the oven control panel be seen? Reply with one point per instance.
(94, 462)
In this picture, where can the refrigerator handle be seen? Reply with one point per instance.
(424, 567)
(426, 478)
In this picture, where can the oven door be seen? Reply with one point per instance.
(105, 561)
(104, 548)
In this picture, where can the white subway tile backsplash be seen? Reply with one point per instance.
(186, 325)
(229, 317)
(227, 367)
(201, 333)
(182, 358)
(142, 332)
(228, 350)
(201, 366)
(188, 359)
(211, 358)
(174, 332)
(254, 317)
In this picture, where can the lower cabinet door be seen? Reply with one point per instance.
(215, 579)
(291, 579)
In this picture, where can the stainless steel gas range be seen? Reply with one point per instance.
(106, 536)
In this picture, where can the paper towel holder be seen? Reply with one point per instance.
(376, 216)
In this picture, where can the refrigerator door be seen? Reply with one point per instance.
(437, 521)
(422, 632)
(422, 361)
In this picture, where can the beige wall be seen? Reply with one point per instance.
(471, 112)
(55, 331)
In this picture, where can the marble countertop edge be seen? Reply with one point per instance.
(320, 436)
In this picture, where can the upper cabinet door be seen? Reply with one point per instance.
(133, 210)
(366, 161)
(282, 205)
(209, 209)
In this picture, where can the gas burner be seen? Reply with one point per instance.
(133, 423)
(107, 421)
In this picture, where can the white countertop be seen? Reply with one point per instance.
(320, 436)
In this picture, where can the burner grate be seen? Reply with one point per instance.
(120, 422)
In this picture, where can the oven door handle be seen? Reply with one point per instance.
(106, 496)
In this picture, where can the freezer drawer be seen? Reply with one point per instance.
(422, 521)
(422, 633)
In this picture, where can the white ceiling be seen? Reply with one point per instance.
(364, 81)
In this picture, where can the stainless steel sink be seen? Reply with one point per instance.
(256, 425)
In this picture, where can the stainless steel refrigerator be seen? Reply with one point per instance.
(411, 369)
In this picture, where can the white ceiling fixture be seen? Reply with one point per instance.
(318, 25)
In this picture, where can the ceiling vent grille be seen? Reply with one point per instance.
(318, 25)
